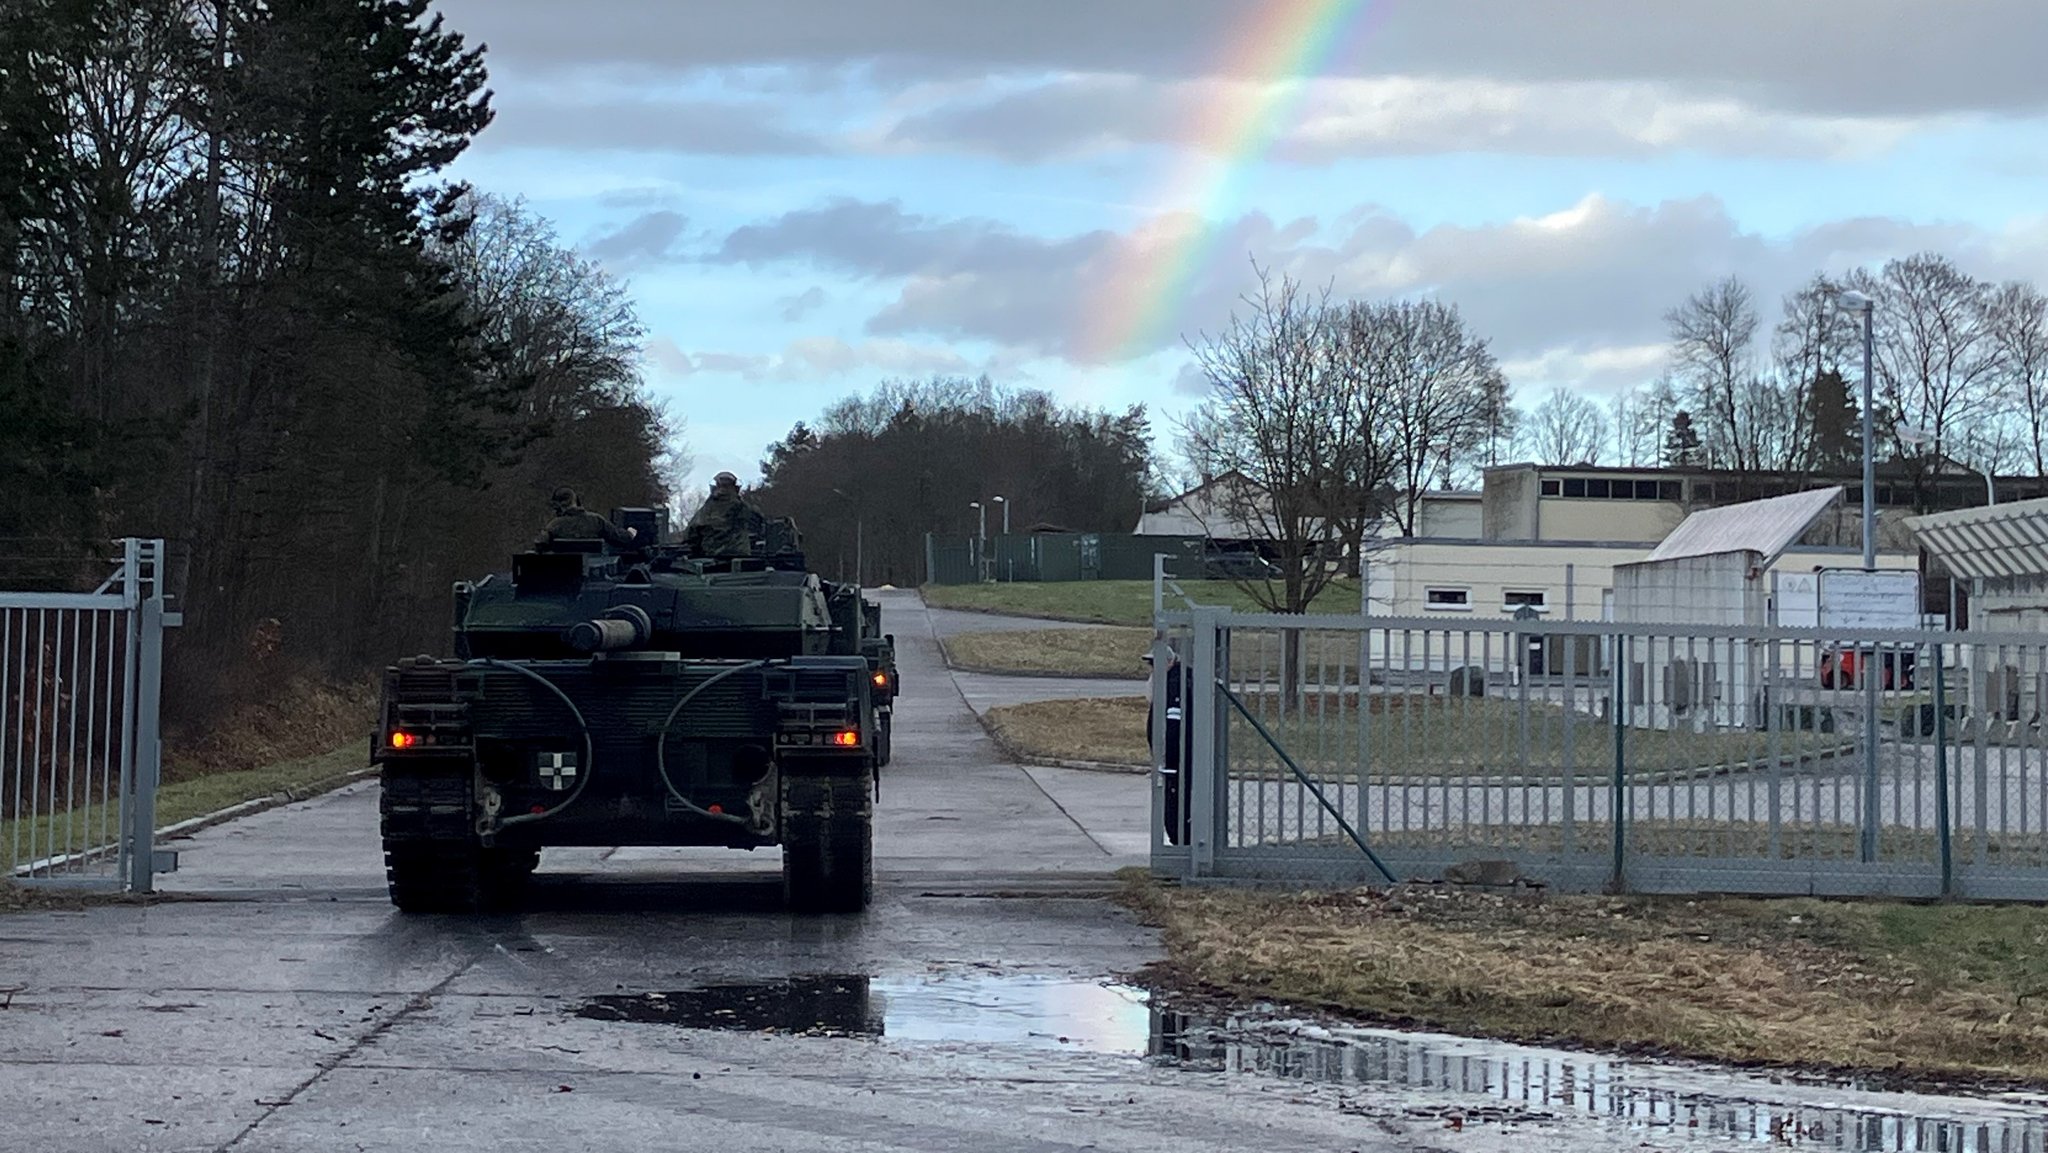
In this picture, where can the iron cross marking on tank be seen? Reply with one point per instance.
(558, 770)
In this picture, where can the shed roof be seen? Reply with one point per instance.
(1766, 527)
(2003, 540)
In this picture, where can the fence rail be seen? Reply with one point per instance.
(1595, 755)
(80, 682)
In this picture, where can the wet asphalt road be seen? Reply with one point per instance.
(276, 1002)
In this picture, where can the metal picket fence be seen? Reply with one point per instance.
(1603, 756)
(80, 682)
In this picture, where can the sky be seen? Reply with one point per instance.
(809, 196)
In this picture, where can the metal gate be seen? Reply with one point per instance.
(81, 675)
(1594, 755)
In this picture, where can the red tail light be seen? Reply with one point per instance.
(400, 739)
(846, 738)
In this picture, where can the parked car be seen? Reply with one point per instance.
(1842, 667)
(1238, 564)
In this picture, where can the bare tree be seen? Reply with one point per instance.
(1712, 335)
(1284, 422)
(1441, 396)
(2019, 330)
(1566, 429)
(1938, 365)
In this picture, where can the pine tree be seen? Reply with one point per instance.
(1682, 442)
(1836, 423)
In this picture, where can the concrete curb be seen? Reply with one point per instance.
(324, 785)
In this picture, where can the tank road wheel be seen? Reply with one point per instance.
(828, 845)
(432, 861)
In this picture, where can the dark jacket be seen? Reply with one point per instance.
(1178, 712)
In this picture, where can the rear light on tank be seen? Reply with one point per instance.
(882, 680)
(846, 738)
(400, 739)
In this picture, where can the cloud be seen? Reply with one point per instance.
(628, 123)
(1192, 381)
(812, 358)
(1076, 116)
(1823, 57)
(647, 239)
(1598, 273)
(795, 308)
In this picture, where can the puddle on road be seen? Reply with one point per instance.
(1423, 1074)
(1039, 1011)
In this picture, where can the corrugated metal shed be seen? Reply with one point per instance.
(1997, 541)
(1764, 527)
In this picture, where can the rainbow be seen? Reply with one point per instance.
(1280, 45)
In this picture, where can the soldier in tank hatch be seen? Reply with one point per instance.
(727, 524)
(574, 522)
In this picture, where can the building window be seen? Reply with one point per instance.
(1597, 488)
(1646, 490)
(1447, 599)
(1552, 488)
(1670, 490)
(1512, 600)
(1575, 486)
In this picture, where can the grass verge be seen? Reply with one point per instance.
(1408, 735)
(1103, 652)
(1915, 993)
(1109, 602)
(32, 838)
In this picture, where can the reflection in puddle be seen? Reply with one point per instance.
(1525, 1083)
(1041, 1011)
(1415, 1074)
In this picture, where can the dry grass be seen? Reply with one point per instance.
(1913, 991)
(1411, 735)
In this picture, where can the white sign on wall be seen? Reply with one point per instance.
(1855, 599)
(1796, 600)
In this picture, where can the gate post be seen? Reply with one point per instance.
(1205, 788)
(148, 661)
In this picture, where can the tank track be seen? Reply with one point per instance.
(433, 861)
(828, 844)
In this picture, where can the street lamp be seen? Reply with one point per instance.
(860, 568)
(1006, 513)
(1858, 302)
(1920, 438)
(980, 535)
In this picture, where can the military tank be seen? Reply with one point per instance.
(600, 697)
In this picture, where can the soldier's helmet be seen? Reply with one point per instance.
(563, 500)
(725, 481)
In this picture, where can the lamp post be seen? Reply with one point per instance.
(1858, 302)
(860, 568)
(980, 535)
(1006, 513)
(1867, 840)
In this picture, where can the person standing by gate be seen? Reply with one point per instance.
(1177, 764)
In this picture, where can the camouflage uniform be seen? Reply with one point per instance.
(574, 522)
(725, 526)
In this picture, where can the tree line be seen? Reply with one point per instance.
(249, 314)
(1959, 374)
(879, 470)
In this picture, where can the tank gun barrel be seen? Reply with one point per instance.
(623, 627)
